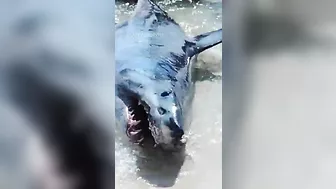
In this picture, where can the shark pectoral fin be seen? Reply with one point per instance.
(205, 41)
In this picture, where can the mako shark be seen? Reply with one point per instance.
(154, 85)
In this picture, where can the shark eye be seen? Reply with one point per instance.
(161, 111)
(166, 93)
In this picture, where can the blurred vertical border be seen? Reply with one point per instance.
(56, 81)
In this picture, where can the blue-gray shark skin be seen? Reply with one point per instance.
(154, 84)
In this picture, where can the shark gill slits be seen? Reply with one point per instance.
(162, 111)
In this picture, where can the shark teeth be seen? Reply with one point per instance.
(136, 132)
(140, 140)
(130, 115)
(134, 122)
(137, 117)
(133, 131)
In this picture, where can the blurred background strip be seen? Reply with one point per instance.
(56, 94)
(281, 134)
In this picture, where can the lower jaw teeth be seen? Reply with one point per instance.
(141, 140)
(135, 132)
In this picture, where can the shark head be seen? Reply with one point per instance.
(153, 112)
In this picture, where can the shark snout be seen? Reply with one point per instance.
(177, 132)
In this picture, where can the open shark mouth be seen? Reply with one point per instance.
(140, 127)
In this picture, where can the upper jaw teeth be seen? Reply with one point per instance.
(134, 122)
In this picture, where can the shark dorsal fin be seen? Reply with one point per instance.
(145, 7)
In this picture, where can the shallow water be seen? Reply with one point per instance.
(202, 162)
